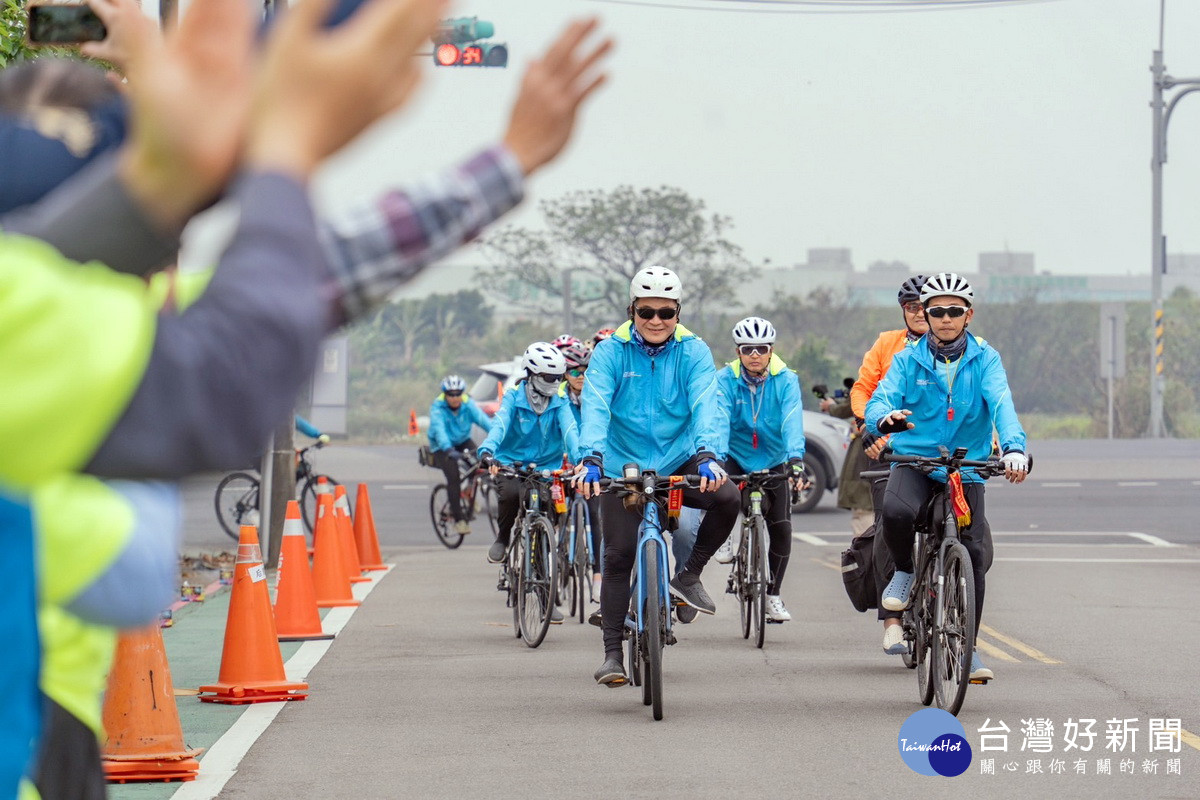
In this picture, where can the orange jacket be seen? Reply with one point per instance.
(874, 366)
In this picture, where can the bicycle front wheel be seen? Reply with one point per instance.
(655, 622)
(486, 492)
(537, 588)
(741, 582)
(954, 638)
(924, 615)
(581, 568)
(758, 581)
(308, 499)
(236, 501)
(442, 518)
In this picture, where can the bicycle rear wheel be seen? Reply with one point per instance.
(655, 632)
(758, 581)
(485, 491)
(954, 638)
(443, 520)
(924, 613)
(235, 500)
(308, 499)
(537, 584)
(513, 567)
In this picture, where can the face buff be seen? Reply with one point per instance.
(538, 391)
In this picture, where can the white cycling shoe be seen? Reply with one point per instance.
(728, 550)
(893, 640)
(775, 610)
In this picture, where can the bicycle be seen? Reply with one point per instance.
(939, 622)
(475, 493)
(529, 573)
(751, 574)
(575, 556)
(648, 624)
(237, 496)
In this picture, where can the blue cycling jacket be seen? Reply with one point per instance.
(448, 427)
(519, 435)
(656, 412)
(564, 391)
(780, 422)
(981, 401)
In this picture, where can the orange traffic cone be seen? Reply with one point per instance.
(321, 488)
(251, 664)
(365, 536)
(341, 513)
(296, 615)
(145, 740)
(413, 430)
(329, 569)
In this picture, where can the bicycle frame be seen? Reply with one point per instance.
(649, 535)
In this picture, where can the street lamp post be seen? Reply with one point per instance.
(1161, 109)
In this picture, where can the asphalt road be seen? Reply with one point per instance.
(426, 693)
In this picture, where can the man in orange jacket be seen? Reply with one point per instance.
(874, 366)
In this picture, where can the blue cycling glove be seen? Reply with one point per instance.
(712, 470)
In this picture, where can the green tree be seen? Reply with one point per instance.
(604, 238)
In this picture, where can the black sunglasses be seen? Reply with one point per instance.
(548, 377)
(651, 313)
(754, 349)
(454, 394)
(954, 312)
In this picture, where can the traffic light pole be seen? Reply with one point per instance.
(1161, 110)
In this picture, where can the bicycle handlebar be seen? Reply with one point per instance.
(762, 477)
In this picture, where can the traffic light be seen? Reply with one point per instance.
(457, 43)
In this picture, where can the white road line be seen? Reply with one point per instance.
(1061, 485)
(811, 539)
(1154, 540)
(1109, 560)
(1137, 483)
(405, 486)
(221, 761)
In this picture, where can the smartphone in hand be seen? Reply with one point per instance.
(62, 24)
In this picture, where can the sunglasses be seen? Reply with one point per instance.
(754, 349)
(547, 377)
(661, 313)
(576, 372)
(954, 312)
(914, 307)
(454, 394)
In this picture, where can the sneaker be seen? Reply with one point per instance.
(497, 552)
(728, 550)
(462, 527)
(775, 610)
(895, 596)
(595, 618)
(556, 617)
(893, 640)
(612, 672)
(685, 614)
(688, 588)
(978, 671)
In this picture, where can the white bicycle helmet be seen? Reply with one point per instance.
(947, 284)
(543, 358)
(453, 383)
(753, 330)
(656, 282)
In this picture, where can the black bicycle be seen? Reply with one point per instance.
(939, 622)
(237, 495)
(476, 498)
(575, 556)
(751, 574)
(530, 570)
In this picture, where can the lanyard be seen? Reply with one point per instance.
(754, 412)
(950, 376)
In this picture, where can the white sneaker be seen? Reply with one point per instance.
(462, 527)
(728, 550)
(893, 640)
(775, 610)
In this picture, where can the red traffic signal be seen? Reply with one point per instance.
(447, 55)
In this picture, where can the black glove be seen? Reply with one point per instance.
(486, 460)
(799, 469)
(891, 425)
(869, 439)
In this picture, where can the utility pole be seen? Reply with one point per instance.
(568, 316)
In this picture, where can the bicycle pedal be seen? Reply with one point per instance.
(775, 621)
(670, 639)
(979, 681)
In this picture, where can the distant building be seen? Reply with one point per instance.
(1006, 263)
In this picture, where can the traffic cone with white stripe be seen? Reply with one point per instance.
(365, 536)
(329, 570)
(296, 614)
(341, 513)
(251, 664)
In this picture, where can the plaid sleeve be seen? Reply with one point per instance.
(375, 248)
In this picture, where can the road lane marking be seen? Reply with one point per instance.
(811, 539)
(1154, 540)
(1189, 738)
(1032, 652)
(1106, 560)
(995, 652)
(1061, 485)
(221, 761)
(1137, 483)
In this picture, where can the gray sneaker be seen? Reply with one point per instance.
(612, 672)
(687, 587)
(497, 552)
(685, 614)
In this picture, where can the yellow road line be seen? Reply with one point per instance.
(824, 563)
(995, 652)
(1190, 739)
(1032, 652)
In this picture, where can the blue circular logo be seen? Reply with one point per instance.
(933, 742)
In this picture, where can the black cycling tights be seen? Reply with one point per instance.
(907, 492)
(779, 524)
(449, 467)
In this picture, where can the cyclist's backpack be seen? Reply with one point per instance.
(424, 457)
(858, 571)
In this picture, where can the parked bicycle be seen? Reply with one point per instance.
(237, 496)
(530, 570)
(477, 498)
(751, 573)
(648, 624)
(939, 623)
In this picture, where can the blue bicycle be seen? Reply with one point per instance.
(648, 624)
(575, 556)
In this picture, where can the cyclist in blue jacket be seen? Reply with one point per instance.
(451, 418)
(760, 400)
(949, 389)
(650, 398)
(577, 356)
(533, 426)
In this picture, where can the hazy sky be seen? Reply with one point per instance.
(922, 136)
